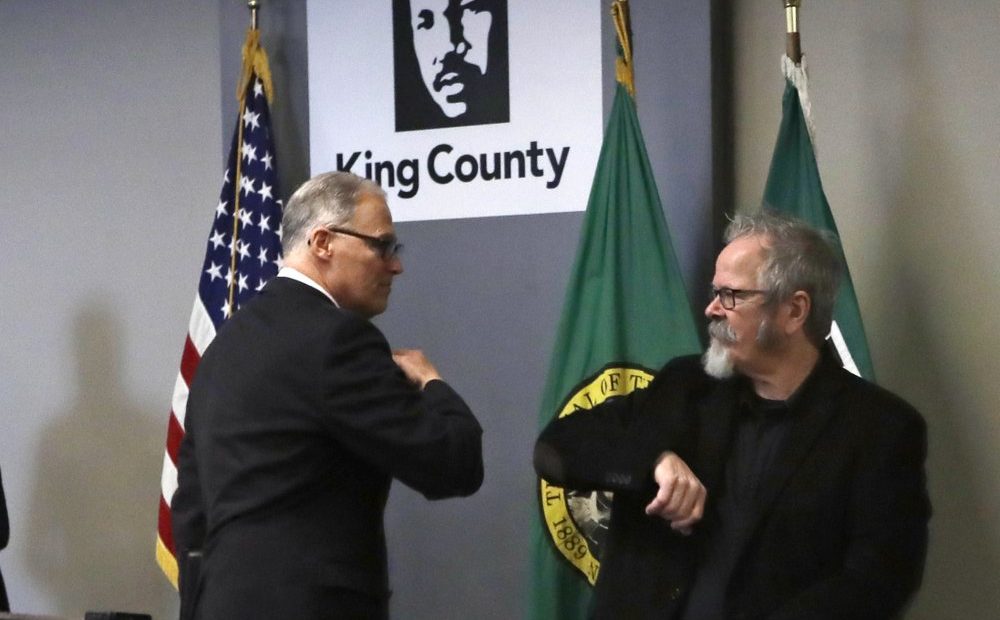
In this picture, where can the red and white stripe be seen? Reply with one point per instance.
(201, 331)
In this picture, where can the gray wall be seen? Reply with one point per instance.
(109, 162)
(905, 97)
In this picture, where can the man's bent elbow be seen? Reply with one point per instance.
(548, 463)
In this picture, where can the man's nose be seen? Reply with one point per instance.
(457, 33)
(396, 265)
(714, 308)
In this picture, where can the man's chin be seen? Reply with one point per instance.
(453, 106)
(454, 111)
(716, 361)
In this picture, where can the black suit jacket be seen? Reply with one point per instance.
(840, 526)
(297, 421)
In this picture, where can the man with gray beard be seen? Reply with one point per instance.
(763, 480)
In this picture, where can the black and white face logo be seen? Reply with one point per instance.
(451, 66)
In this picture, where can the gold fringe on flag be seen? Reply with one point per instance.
(623, 27)
(254, 62)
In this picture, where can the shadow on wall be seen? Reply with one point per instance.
(91, 532)
(964, 558)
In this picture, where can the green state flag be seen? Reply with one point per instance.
(626, 313)
(794, 187)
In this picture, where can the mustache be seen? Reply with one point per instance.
(722, 331)
(453, 63)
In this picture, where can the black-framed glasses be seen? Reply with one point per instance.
(728, 296)
(386, 247)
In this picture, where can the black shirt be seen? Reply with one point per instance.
(761, 429)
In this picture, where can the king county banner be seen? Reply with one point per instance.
(458, 109)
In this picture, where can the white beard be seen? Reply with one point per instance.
(716, 361)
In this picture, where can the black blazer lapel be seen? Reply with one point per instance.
(811, 417)
(715, 429)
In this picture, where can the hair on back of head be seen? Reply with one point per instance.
(798, 257)
(327, 199)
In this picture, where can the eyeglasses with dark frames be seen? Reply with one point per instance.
(385, 247)
(728, 296)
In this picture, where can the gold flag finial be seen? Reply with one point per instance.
(623, 27)
(254, 58)
(793, 47)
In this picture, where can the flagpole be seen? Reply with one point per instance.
(253, 5)
(793, 48)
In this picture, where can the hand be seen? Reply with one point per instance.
(681, 498)
(415, 365)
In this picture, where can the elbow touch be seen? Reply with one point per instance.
(548, 463)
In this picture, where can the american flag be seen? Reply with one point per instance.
(243, 253)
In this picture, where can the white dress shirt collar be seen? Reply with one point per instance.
(295, 274)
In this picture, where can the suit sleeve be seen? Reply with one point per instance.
(428, 439)
(585, 450)
(187, 518)
(889, 510)
(614, 446)
(187, 512)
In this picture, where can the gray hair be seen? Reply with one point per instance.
(327, 199)
(797, 257)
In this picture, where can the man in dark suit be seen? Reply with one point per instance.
(299, 418)
(765, 481)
